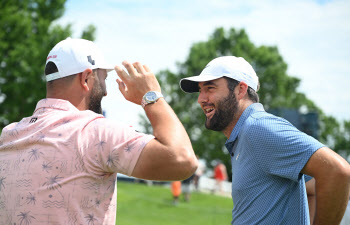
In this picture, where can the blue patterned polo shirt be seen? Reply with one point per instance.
(267, 155)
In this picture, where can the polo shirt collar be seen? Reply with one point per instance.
(54, 103)
(255, 107)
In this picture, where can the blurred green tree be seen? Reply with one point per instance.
(277, 90)
(27, 35)
(342, 140)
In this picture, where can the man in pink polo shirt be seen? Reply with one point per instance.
(59, 165)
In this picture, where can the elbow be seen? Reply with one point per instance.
(188, 163)
(337, 175)
(347, 174)
(342, 173)
(192, 166)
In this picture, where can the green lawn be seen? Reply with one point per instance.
(139, 204)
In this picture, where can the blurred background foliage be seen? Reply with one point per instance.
(26, 37)
(28, 33)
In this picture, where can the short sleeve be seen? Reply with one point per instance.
(279, 148)
(307, 178)
(111, 147)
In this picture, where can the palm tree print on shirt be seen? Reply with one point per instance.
(25, 218)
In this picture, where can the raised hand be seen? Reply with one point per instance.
(137, 83)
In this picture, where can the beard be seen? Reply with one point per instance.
(96, 98)
(224, 113)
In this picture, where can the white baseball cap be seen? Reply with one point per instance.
(72, 56)
(233, 67)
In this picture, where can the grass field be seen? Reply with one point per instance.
(139, 204)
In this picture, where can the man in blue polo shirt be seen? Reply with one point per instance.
(269, 155)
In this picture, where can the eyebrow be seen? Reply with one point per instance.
(207, 83)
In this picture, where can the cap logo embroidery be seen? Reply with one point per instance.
(90, 60)
(51, 56)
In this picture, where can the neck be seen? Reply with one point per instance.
(69, 89)
(74, 98)
(241, 108)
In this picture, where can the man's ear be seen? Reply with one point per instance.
(86, 78)
(242, 89)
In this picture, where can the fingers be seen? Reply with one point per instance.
(122, 87)
(146, 68)
(130, 68)
(135, 68)
(139, 81)
(121, 73)
(138, 66)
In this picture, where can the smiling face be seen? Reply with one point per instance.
(218, 103)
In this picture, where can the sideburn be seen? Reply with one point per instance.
(96, 98)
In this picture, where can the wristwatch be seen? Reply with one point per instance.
(150, 97)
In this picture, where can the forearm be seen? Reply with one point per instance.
(311, 198)
(312, 207)
(168, 129)
(332, 175)
(171, 156)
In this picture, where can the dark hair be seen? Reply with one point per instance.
(253, 95)
(232, 84)
(50, 68)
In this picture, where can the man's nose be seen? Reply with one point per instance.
(202, 97)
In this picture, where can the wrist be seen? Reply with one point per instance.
(150, 98)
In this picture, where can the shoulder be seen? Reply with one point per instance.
(272, 131)
(264, 129)
(102, 124)
(9, 127)
(263, 124)
(88, 120)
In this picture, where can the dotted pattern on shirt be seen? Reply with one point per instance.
(269, 154)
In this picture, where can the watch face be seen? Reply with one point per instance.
(151, 96)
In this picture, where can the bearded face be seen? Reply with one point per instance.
(219, 104)
(225, 109)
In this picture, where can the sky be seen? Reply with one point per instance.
(312, 36)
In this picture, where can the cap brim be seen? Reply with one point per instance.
(107, 67)
(190, 84)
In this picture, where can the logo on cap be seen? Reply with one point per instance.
(51, 56)
(90, 60)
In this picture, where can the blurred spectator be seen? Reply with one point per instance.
(199, 172)
(220, 174)
(186, 187)
(176, 191)
(346, 218)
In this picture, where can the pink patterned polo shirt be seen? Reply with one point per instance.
(59, 166)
